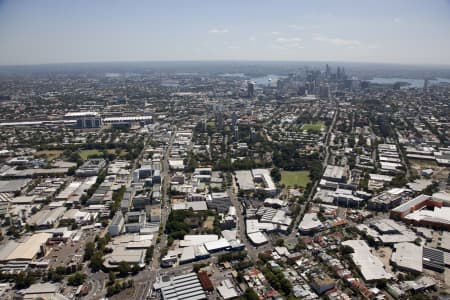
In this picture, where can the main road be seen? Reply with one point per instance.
(251, 250)
(145, 279)
(316, 183)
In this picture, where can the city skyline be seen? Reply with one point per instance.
(405, 32)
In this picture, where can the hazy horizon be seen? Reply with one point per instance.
(62, 32)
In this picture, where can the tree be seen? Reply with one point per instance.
(250, 294)
(135, 269)
(149, 253)
(124, 268)
(89, 250)
(345, 250)
(76, 279)
(96, 261)
(24, 280)
(279, 242)
(111, 278)
(52, 275)
(276, 174)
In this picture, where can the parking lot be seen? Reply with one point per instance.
(65, 253)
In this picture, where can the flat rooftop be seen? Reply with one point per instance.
(370, 266)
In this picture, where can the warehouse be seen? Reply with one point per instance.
(46, 218)
(219, 245)
(195, 240)
(257, 238)
(123, 253)
(25, 250)
(408, 257)
(227, 289)
(11, 186)
(245, 180)
(370, 266)
(335, 173)
(186, 286)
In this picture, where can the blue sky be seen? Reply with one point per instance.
(400, 31)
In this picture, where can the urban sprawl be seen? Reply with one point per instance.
(163, 185)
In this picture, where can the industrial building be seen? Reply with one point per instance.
(85, 120)
(180, 287)
(388, 232)
(386, 200)
(46, 218)
(91, 167)
(219, 201)
(370, 266)
(116, 226)
(425, 211)
(250, 180)
(227, 290)
(408, 257)
(25, 250)
(336, 174)
(310, 224)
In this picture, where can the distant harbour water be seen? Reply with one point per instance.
(411, 83)
(260, 80)
(264, 80)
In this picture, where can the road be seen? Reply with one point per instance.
(145, 279)
(251, 250)
(316, 183)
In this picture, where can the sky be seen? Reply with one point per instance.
(382, 31)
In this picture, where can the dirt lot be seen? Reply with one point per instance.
(209, 223)
(384, 254)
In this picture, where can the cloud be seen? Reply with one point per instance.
(233, 47)
(218, 30)
(337, 41)
(275, 33)
(374, 46)
(288, 40)
(397, 20)
(252, 38)
(296, 27)
(286, 46)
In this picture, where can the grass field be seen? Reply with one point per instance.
(86, 153)
(49, 154)
(313, 126)
(292, 178)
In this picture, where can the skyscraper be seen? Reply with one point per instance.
(250, 89)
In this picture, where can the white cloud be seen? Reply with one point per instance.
(397, 20)
(233, 47)
(275, 33)
(286, 46)
(337, 41)
(287, 40)
(252, 38)
(218, 30)
(296, 27)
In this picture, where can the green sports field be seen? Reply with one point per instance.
(292, 178)
(313, 126)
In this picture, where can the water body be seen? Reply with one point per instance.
(112, 75)
(264, 80)
(233, 75)
(412, 83)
